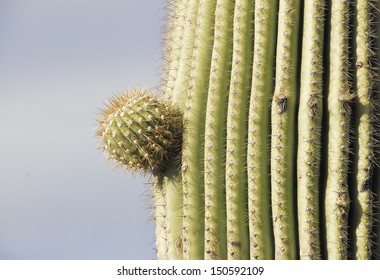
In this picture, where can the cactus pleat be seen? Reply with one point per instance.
(237, 126)
(178, 91)
(194, 129)
(215, 133)
(173, 42)
(309, 130)
(269, 145)
(283, 131)
(364, 129)
(260, 224)
(170, 182)
(338, 117)
(160, 214)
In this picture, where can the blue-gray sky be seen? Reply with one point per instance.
(60, 61)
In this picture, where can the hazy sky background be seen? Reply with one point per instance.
(60, 60)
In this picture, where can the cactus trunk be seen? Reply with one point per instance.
(265, 143)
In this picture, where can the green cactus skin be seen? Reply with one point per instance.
(159, 216)
(215, 133)
(338, 117)
(260, 223)
(169, 194)
(237, 126)
(173, 42)
(309, 130)
(283, 132)
(187, 47)
(194, 129)
(362, 198)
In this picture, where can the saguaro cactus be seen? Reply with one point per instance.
(264, 142)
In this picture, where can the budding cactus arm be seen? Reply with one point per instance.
(194, 129)
(338, 116)
(215, 133)
(142, 133)
(260, 224)
(309, 130)
(283, 131)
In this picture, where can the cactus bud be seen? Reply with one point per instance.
(140, 131)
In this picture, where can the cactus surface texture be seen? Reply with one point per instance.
(263, 140)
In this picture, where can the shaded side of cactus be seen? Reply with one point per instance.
(361, 223)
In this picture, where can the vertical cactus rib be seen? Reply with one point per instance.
(338, 118)
(283, 131)
(364, 129)
(260, 224)
(181, 81)
(170, 181)
(215, 133)
(194, 129)
(160, 213)
(237, 126)
(173, 43)
(309, 129)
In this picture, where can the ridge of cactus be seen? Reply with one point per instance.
(215, 133)
(169, 193)
(259, 216)
(337, 200)
(283, 131)
(362, 195)
(309, 130)
(159, 216)
(173, 43)
(194, 129)
(237, 126)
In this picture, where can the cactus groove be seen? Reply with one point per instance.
(263, 141)
(362, 197)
